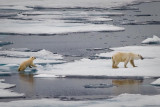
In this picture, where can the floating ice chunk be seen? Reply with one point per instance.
(10, 94)
(62, 28)
(100, 19)
(16, 56)
(5, 73)
(6, 85)
(48, 76)
(123, 100)
(2, 80)
(98, 86)
(156, 83)
(43, 54)
(154, 40)
(23, 4)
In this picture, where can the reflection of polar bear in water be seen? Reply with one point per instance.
(124, 57)
(28, 63)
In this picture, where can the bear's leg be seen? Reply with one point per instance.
(125, 63)
(30, 66)
(132, 63)
(116, 65)
(113, 63)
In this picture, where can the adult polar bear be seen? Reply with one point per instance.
(27, 63)
(125, 57)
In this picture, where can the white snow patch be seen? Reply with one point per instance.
(123, 100)
(157, 82)
(149, 67)
(154, 40)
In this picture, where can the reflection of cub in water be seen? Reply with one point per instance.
(126, 82)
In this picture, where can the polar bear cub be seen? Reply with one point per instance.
(125, 57)
(27, 63)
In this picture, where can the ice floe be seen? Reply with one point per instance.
(54, 28)
(154, 40)
(6, 93)
(98, 86)
(17, 56)
(149, 67)
(48, 76)
(17, 4)
(156, 82)
(123, 100)
(6, 85)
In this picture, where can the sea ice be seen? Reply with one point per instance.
(18, 56)
(6, 85)
(10, 94)
(123, 100)
(98, 86)
(154, 40)
(6, 93)
(54, 28)
(149, 67)
(156, 83)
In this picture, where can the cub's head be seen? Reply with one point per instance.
(137, 56)
(33, 58)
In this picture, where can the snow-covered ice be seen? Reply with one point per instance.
(123, 100)
(156, 82)
(154, 40)
(149, 67)
(54, 28)
(26, 5)
(17, 56)
(6, 85)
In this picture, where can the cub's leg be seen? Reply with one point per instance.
(33, 65)
(30, 66)
(132, 63)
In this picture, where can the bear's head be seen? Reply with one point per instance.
(138, 56)
(33, 58)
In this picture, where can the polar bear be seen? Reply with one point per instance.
(124, 57)
(27, 63)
